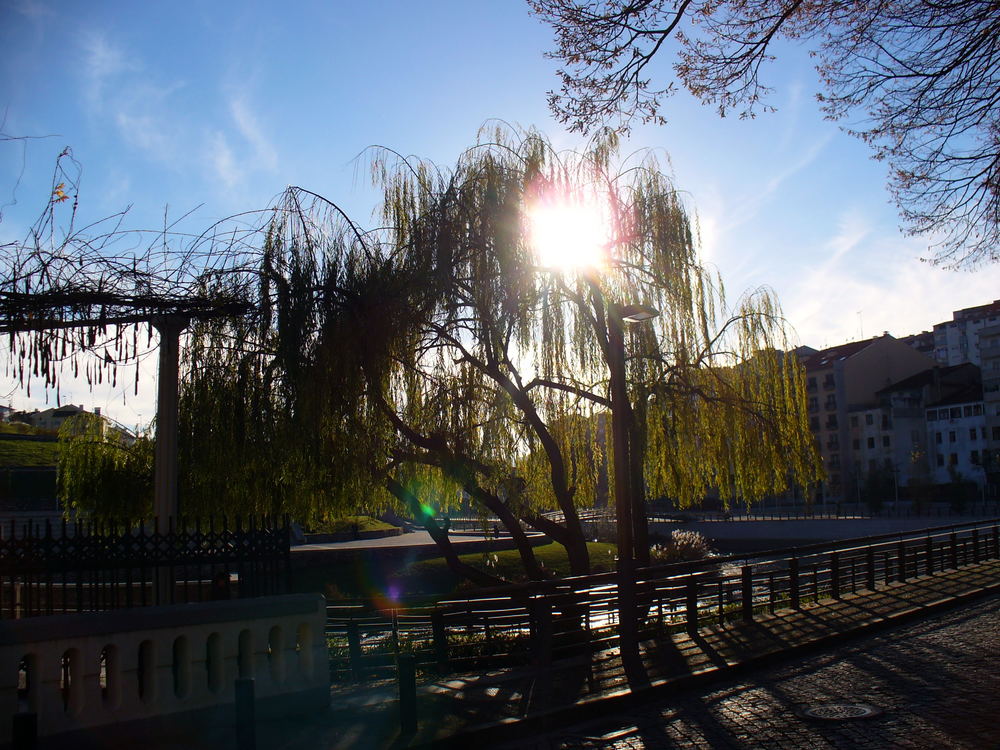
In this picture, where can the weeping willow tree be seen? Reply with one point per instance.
(442, 361)
(103, 471)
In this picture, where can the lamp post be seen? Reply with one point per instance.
(624, 491)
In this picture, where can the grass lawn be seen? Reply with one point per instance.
(28, 453)
(347, 523)
(433, 578)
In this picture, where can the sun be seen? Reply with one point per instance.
(569, 234)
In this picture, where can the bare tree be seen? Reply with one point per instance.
(921, 76)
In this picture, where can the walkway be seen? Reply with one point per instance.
(934, 684)
(481, 710)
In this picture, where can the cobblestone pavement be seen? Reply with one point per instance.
(937, 684)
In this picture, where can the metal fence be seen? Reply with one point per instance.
(541, 620)
(87, 566)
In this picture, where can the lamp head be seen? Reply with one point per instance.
(638, 313)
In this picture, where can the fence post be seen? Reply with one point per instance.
(440, 637)
(793, 582)
(25, 731)
(746, 594)
(870, 555)
(541, 614)
(901, 556)
(929, 554)
(835, 575)
(975, 545)
(354, 650)
(406, 670)
(691, 602)
(953, 551)
(246, 727)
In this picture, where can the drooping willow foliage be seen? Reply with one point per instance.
(434, 362)
(103, 470)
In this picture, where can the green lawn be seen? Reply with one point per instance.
(28, 453)
(432, 577)
(347, 523)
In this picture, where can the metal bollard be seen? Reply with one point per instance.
(25, 731)
(246, 726)
(406, 669)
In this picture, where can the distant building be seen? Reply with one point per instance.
(845, 379)
(912, 413)
(923, 342)
(957, 340)
(51, 419)
(989, 349)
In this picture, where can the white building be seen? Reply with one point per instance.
(957, 340)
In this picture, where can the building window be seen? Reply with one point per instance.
(835, 461)
(869, 419)
(854, 421)
(831, 422)
(952, 436)
(828, 381)
(811, 384)
(885, 441)
(937, 438)
(814, 424)
(996, 433)
(813, 403)
(932, 415)
(974, 458)
(953, 459)
(885, 422)
(940, 460)
(831, 403)
(972, 433)
(956, 412)
(856, 444)
(967, 411)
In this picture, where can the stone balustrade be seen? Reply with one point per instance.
(98, 670)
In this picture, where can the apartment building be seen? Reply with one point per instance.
(957, 340)
(846, 379)
(989, 348)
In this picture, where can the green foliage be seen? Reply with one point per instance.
(439, 353)
(102, 471)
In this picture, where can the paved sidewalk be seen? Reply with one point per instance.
(483, 709)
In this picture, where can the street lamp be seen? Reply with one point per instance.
(624, 492)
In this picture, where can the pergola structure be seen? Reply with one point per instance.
(77, 299)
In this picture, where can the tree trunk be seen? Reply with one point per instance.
(493, 503)
(440, 537)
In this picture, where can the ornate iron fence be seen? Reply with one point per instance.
(88, 566)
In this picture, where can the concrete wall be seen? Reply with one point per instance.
(144, 664)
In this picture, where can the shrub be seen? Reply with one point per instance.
(684, 546)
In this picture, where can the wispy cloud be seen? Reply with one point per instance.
(120, 90)
(102, 62)
(869, 282)
(243, 149)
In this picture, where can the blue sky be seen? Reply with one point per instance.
(221, 105)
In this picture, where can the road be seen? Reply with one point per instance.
(937, 684)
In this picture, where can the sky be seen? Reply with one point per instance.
(214, 108)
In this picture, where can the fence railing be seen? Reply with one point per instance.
(540, 620)
(87, 566)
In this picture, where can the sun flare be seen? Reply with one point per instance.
(569, 235)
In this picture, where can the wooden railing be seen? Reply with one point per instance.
(537, 621)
